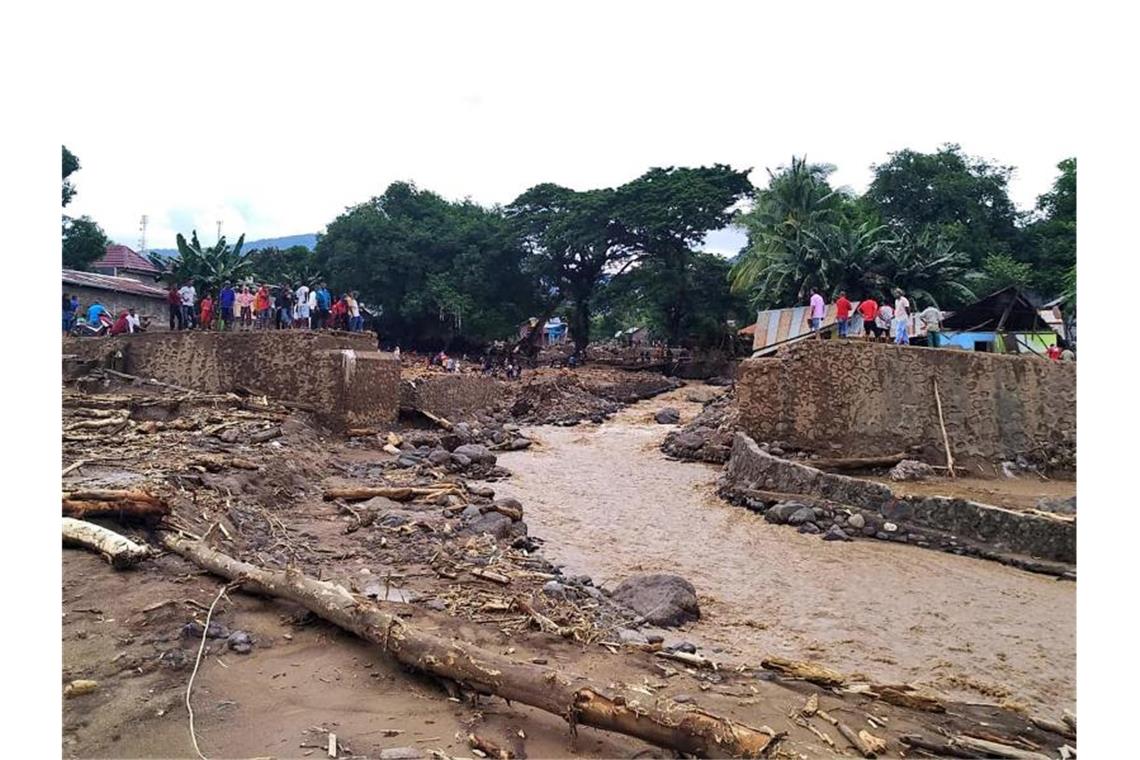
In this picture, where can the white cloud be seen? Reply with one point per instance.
(274, 119)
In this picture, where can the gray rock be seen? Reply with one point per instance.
(889, 527)
(661, 599)
(481, 489)
(801, 516)
(476, 452)
(494, 523)
(240, 642)
(193, 630)
(510, 502)
(871, 530)
(809, 527)
(553, 588)
(406, 461)
(593, 593)
(401, 753)
(518, 444)
(654, 638)
(821, 513)
(683, 698)
(667, 416)
(687, 647)
(856, 521)
(439, 457)
(471, 512)
(835, 533)
(436, 604)
(779, 513)
(776, 451)
(461, 460)
(688, 441)
(883, 536)
(1058, 506)
(630, 636)
(911, 469)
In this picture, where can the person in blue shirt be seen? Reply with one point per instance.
(226, 305)
(93, 313)
(70, 304)
(324, 305)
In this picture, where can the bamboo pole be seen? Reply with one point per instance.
(945, 437)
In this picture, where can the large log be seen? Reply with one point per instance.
(666, 724)
(120, 551)
(395, 493)
(136, 505)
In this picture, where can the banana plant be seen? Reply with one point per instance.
(208, 268)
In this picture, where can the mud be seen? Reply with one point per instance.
(609, 504)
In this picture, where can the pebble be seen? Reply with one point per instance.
(240, 642)
(681, 646)
(890, 527)
(856, 521)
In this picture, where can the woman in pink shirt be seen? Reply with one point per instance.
(245, 307)
(817, 309)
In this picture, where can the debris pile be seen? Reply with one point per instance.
(568, 397)
(708, 438)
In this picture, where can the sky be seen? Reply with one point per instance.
(275, 118)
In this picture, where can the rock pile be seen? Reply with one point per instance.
(708, 438)
(911, 469)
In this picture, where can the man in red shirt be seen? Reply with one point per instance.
(842, 313)
(121, 325)
(868, 309)
(174, 302)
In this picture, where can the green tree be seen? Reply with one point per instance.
(792, 229)
(443, 271)
(1053, 233)
(207, 267)
(1002, 270)
(662, 216)
(925, 265)
(292, 265)
(964, 198)
(83, 241)
(572, 240)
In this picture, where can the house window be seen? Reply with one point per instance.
(984, 346)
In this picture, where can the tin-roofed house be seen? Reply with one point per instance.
(1006, 321)
(122, 261)
(117, 294)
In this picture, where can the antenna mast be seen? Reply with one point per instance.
(142, 235)
(219, 230)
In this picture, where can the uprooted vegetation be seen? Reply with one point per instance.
(396, 536)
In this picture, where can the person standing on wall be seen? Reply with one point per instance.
(226, 300)
(932, 322)
(68, 313)
(188, 296)
(817, 310)
(355, 321)
(174, 305)
(324, 305)
(868, 310)
(842, 313)
(207, 311)
(302, 310)
(245, 308)
(902, 316)
(261, 305)
(283, 309)
(883, 322)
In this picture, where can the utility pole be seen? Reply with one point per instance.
(142, 235)
(219, 230)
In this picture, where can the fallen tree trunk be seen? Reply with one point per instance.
(807, 671)
(138, 505)
(667, 724)
(856, 463)
(395, 493)
(120, 551)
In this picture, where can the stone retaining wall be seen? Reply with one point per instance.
(452, 397)
(866, 399)
(341, 375)
(945, 522)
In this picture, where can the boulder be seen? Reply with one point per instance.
(661, 599)
(1059, 506)
(476, 452)
(510, 503)
(688, 441)
(779, 513)
(439, 456)
(835, 533)
(461, 460)
(856, 521)
(518, 444)
(494, 523)
(481, 489)
(801, 516)
(667, 416)
(911, 469)
(809, 527)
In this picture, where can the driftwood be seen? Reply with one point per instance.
(265, 435)
(120, 551)
(807, 671)
(1054, 726)
(442, 422)
(904, 697)
(137, 505)
(855, 463)
(488, 747)
(996, 749)
(218, 462)
(938, 747)
(395, 493)
(666, 724)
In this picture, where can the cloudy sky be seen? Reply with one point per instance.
(273, 119)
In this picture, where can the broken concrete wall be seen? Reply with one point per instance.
(340, 375)
(865, 399)
(922, 520)
(452, 397)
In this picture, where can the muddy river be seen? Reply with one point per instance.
(609, 504)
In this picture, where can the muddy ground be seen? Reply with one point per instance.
(305, 678)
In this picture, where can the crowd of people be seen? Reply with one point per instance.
(97, 320)
(281, 307)
(886, 322)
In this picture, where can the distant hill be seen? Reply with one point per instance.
(309, 240)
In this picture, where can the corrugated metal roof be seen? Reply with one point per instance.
(779, 326)
(116, 284)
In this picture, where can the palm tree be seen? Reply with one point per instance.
(927, 266)
(789, 231)
(207, 268)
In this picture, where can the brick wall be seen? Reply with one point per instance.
(114, 302)
(878, 399)
(451, 396)
(340, 374)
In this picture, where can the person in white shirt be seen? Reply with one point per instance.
(902, 317)
(133, 321)
(884, 321)
(188, 296)
(312, 307)
(932, 323)
(302, 307)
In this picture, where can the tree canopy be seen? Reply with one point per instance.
(83, 241)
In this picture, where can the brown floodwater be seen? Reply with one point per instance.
(609, 504)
